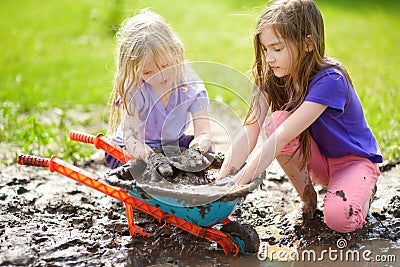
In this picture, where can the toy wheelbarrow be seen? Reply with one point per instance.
(195, 209)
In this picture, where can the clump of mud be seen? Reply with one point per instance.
(393, 207)
(184, 175)
(173, 164)
(50, 220)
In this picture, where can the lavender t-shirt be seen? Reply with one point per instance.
(341, 129)
(159, 125)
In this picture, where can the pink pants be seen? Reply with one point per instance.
(350, 180)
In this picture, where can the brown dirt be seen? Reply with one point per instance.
(50, 220)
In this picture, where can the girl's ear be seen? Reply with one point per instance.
(308, 43)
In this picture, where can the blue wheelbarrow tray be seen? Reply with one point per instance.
(203, 205)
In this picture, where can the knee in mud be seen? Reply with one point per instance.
(344, 218)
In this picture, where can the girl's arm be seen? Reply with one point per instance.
(293, 126)
(243, 143)
(202, 131)
(132, 139)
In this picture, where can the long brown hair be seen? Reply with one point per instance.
(295, 21)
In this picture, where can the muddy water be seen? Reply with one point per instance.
(49, 220)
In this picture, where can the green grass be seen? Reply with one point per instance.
(60, 54)
(364, 36)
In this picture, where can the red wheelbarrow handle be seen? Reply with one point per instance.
(101, 142)
(33, 161)
(57, 165)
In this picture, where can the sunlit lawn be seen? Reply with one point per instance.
(61, 54)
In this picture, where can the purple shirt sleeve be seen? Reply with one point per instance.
(329, 88)
(342, 128)
(200, 97)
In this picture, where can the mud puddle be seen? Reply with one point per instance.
(50, 220)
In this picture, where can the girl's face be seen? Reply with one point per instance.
(159, 74)
(278, 54)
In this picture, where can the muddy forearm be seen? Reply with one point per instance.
(202, 131)
(239, 151)
(257, 163)
(132, 139)
(202, 142)
(136, 148)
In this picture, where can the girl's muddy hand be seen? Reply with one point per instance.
(308, 210)
(226, 181)
(309, 205)
(202, 144)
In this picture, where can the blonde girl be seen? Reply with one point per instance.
(155, 92)
(317, 130)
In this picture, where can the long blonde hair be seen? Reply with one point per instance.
(294, 20)
(144, 36)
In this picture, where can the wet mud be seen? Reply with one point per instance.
(174, 165)
(50, 220)
(165, 176)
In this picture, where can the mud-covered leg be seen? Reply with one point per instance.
(302, 183)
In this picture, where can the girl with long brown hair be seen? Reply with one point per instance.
(317, 130)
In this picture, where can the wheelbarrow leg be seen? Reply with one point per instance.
(226, 220)
(226, 240)
(134, 229)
